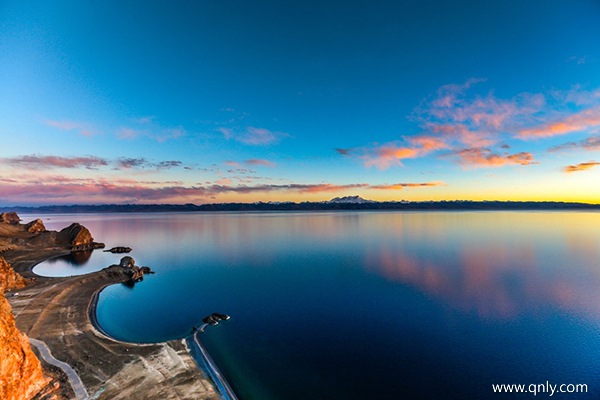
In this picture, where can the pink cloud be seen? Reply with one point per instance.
(253, 136)
(258, 161)
(481, 157)
(590, 144)
(128, 133)
(400, 186)
(259, 136)
(233, 164)
(151, 130)
(43, 162)
(34, 188)
(584, 120)
(81, 127)
(475, 121)
(453, 120)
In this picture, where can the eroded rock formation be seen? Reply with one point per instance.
(21, 375)
(78, 237)
(10, 218)
(35, 226)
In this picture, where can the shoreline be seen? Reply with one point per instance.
(205, 362)
(210, 366)
(60, 311)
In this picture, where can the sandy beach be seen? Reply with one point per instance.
(61, 312)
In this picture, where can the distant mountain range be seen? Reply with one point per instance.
(337, 203)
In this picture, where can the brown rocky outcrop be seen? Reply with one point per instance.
(35, 226)
(10, 218)
(21, 374)
(9, 279)
(78, 237)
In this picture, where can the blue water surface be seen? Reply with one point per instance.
(364, 305)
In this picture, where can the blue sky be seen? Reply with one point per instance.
(205, 101)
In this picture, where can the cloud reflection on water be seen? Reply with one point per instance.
(536, 275)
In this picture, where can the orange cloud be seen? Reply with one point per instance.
(581, 166)
(388, 155)
(453, 119)
(486, 158)
(429, 143)
(583, 120)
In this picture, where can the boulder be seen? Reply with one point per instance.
(78, 238)
(127, 262)
(10, 218)
(35, 226)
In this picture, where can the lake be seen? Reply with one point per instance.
(362, 305)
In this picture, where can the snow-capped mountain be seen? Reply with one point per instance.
(350, 199)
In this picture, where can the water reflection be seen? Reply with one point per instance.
(75, 258)
(502, 277)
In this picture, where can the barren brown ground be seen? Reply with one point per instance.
(57, 311)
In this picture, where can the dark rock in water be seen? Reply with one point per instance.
(127, 262)
(215, 318)
(211, 320)
(221, 316)
(10, 218)
(119, 249)
(35, 226)
(146, 270)
(78, 238)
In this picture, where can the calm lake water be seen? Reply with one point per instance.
(363, 305)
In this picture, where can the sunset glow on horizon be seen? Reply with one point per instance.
(231, 101)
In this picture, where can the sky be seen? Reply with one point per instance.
(239, 101)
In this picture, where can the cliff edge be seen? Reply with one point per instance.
(21, 375)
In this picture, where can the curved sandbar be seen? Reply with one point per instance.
(208, 364)
(56, 311)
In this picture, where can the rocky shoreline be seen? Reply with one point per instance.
(61, 313)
